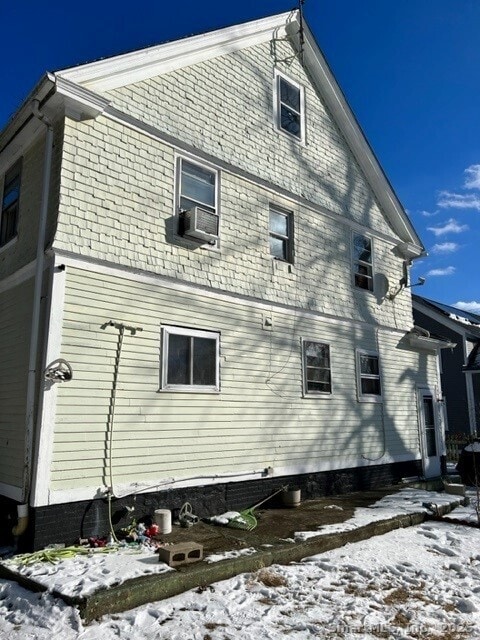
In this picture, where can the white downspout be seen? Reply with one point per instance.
(37, 298)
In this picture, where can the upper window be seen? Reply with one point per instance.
(190, 360)
(368, 371)
(281, 234)
(363, 262)
(290, 107)
(197, 201)
(10, 205)
(317, 375)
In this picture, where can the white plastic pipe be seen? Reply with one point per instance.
(22, 521)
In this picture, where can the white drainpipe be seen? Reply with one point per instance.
(37, 298)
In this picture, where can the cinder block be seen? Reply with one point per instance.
(181, 553)
(454, 489)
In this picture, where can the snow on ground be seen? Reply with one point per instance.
(83, 575)
(403, 502)
(469, 513)
(417, 583)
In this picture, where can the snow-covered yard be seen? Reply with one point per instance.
(417, 583)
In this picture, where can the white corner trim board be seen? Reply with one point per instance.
(46, 417)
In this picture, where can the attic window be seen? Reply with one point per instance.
(290, 107)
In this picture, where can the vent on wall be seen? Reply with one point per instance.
(201, 224)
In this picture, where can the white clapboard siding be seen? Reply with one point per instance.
(258, 419)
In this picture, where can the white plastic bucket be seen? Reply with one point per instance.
(292, 497)
(163, 518)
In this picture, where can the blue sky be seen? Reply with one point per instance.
(410, 71)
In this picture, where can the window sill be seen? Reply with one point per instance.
(363, 291)
(300, 141)
(317, 396)
(189, 390)
(374, 399)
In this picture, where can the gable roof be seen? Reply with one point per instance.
(82, 88)
(457, 319)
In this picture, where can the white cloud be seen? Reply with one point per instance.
(449, 200)
(472, 180)
(441, 272)
(472, 306)
(428, 214)
(451, 226)
(445, 247)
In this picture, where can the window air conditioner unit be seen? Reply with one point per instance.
(201, 224)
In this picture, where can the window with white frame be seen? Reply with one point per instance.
(317, 373)
(10, 205)
(290, 107)
(281, 234)
(368, 376)
(362, 262)
(198, 200)
(190, 359)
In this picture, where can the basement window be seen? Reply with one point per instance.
(190, 360)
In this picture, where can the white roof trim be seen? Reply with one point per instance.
(80, 101)
(136, 66)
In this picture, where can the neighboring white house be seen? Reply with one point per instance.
(202, 291)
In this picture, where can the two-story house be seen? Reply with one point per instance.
(203, 288)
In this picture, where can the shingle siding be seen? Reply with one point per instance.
(224, 106)
(109, 212)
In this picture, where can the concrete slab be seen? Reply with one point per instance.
(276, 528)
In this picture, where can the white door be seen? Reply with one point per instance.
(429, 436)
